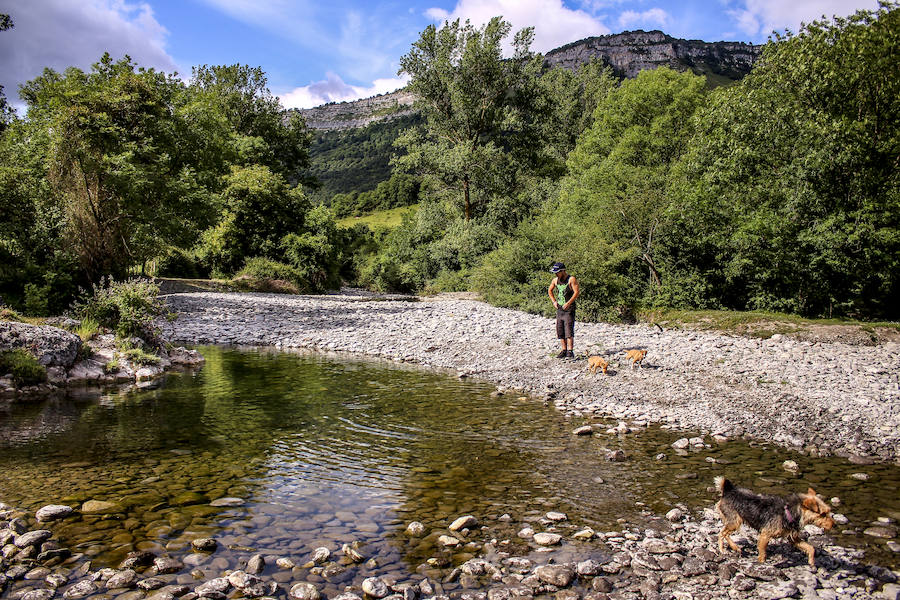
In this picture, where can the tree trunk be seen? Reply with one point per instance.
(466, 194)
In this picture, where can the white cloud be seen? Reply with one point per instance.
(758, 18)
(654, 17)
(62, 33)
(554, 24)
(333, 89)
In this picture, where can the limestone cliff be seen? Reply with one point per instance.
(626, 53)
(631, 52)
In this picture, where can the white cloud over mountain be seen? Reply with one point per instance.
(334, 89)
(758, 18)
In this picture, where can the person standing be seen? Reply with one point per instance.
(563, 291)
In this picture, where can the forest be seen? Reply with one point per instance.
(777, 193)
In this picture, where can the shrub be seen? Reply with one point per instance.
(37, 301)
(24, 368)
(260, 274)
(181, 263)
(127, 307)
(140, 357)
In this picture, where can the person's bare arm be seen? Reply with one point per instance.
(550, 292)
(576, 289)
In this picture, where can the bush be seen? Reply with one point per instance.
(137, 356)
(24, 368)
(181, 263)
(127, 307)
(260, 274)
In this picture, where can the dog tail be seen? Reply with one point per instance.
(722, 485)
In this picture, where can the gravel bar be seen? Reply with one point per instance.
(822, 397)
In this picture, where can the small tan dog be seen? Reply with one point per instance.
(597, 362)
(636, 357)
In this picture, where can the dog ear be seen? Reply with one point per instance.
(810, 503)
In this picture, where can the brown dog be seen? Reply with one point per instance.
(597, 362)
(772, 516)
(636, 357)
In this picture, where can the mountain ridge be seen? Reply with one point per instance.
(626, 53)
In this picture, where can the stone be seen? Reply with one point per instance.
(776, 591)
(52, 512)
(675, 515)
(304, 591)
(284, 563)
(448, 540)
(375, 587)
(242, 579)
(100, 507)
(151, 583)
(588, 568)
(38, 595)
(791, 466)
(558, 575)
(681, 444)
(138, 558)
(547, 539)
(256, 564)
(891, 591)
(556, 516)
(51, 346)
(584, 430)
(415, 529)
(227, 501)
(204, 544)
(122, 579)
(32, 538)
(584, 534)
(164, 565)
(877, 531)
(81, 589)
(465, 522)
(615, 456)
(321, 555)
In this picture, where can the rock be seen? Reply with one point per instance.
(256, 564)
(776, 591)
(876, 531)
(81, 589)
(891, 591)
(448, 540)
(556, 516)
(615, 456)
(204, 544)
(151, 583)
(675, 515)
(219, 585)
(321, 555)
(465, 522)
(138, 559)
(588, 568)
(762, 572)
(100, 507)
(352, 553)
(558, 575)
(242, 579)
(284, 563)
(165, 565)
(584, 430)
(526, 533)
(51, 346)
(304, 591)
(122, 579)
(859, 476)
(56, 580)
(790, 465)
(37, 595)
(681, 444)
(228, 501)
(584, 534)
(52, 512)
(375, 587)
(32, 538)
(547, 539)
(415, 529)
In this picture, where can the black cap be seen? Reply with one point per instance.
(557, 267)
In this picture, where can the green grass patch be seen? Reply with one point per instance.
(87, 329)
(140, 357)
(24, 368)
(8, 314)
(379, 219)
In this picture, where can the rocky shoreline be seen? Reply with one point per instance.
(819, 398)
(673, 558)
(69, 362)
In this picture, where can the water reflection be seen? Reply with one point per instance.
(322, 451)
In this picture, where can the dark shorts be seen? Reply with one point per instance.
(565, 323)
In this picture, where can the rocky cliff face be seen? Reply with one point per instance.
(626, 53)
(631, 52)
(359, 113)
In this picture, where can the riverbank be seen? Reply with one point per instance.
(820, 398)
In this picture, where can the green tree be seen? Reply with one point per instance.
(480, 129)
(6, 112)
(113, 162)
(619, 173)
(259, 209)
(791, 198)
(261, 131)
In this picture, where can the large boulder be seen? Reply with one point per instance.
(51, 346)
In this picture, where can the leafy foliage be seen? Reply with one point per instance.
(127, 307)
(24, 368)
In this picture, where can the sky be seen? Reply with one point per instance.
(319, 51)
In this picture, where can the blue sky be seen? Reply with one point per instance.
(332, 50)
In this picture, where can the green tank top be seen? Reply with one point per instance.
(563, 292)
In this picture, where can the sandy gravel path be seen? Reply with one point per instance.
(822, 397)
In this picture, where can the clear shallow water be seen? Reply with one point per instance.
(325, 451)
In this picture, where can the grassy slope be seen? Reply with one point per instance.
(383, 218)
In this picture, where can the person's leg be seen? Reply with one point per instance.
(561, 334)
(570, 334)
